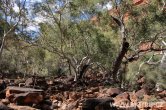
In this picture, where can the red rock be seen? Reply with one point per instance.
(5, 101)
(144, 46)
(113, 91)
(159, 106)
(124, 95)
(143, 105)
(140, 93)
(79, 108)
(139, 2)
(89, 96)
(57, 97)
(122, 103)
(89, 91)
(24, 95)
(146, 98)
(101, 95)
(162, 94)
(95, 89)
(74, 96)
(16, 107)
(122, 99)
(50, 82)
(28, 98)
(133, 98)
(14, 89)
(72, 106)
(63, 106)
(96, 93)
(138, 96)
(102, 89)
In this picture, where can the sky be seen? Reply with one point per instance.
(31, 27)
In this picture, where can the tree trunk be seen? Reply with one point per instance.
(69, 66)
(83, 70)
(2, 46)
(118, 61)
(124, 48)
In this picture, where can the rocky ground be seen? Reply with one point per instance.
(62, 93)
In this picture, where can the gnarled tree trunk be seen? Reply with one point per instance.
(123, 51)
(119, 59)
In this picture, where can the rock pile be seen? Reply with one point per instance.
(69, 95)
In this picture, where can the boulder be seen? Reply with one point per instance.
(113, 91)
(124, 95)
(122, 99)
(147, 98)
(5, 101)
(74, 96)
(17, 107)
(24, 96)
(122, 103)
(162, 94)
(143, 105)
(140, 94)
(97, 104)
(72, 106)
(4, 107)
(16, 90)
(159, 106)
(28, 98)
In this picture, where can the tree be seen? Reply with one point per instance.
(11, 19)
(75, 40)
(140, 29)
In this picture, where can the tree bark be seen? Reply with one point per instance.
(119, 59)
(83, 70)
(124, 48)
(2, 46)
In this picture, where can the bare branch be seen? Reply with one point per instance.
(164, 4)
(140, 66)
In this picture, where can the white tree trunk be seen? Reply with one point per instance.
(163, 59)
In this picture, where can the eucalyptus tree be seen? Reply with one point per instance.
(68, 32)
(12, 12)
